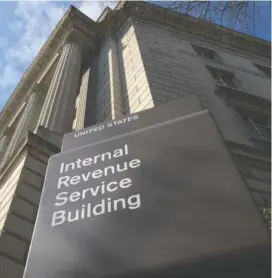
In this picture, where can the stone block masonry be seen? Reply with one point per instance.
(21, 196)
(256, 174)
(135, 86)
(174, 70)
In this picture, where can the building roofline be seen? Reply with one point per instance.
(35, 61)
(191, 25)
(104, 13)
(74, 18)
(121, 4)
(211, 23)
(226, 33)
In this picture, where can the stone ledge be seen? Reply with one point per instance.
(31, 141)
(200, 28)
(13, 248)
(10, 269)
(258, 185)
(248, 151)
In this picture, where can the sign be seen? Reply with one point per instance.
(163, 201)
(132, 122)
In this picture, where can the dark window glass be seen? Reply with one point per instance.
(223, 77)
(205, 52)
(258, 125)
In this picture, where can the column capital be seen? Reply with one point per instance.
(36, 88)
(73, 37)
(30, 96)
(86, 44)
(83, 40)
(7, 132)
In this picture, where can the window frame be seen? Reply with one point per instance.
(200, 51)
(215, 72)
(257, 127)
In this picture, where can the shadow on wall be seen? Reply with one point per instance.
(94, 88)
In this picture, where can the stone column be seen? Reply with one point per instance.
(59, 107)
(81, 100)
(3, 145)
(24, 124)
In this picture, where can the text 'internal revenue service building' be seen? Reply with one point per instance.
(154, 196)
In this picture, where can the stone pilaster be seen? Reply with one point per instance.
(109, 100)
(25, 123)
(59, 107)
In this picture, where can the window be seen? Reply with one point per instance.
(258, 125)
(223, 77)
(263, 69)
(205, 52)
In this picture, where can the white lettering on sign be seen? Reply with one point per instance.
(102, 126)
(88, 210)
(101, 189)
(90, 130)
(81, 163)
(93, 199)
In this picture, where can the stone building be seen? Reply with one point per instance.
(133, 58)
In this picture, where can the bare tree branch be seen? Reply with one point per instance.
(206, 10)
(237, 16)
(232, 14)
(253, 18)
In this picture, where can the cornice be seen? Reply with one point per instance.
(204, 29)
(195, 27)
(104, 13)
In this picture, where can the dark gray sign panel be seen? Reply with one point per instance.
(163, 201)
(132, 122)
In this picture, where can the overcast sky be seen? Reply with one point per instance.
(25, 26)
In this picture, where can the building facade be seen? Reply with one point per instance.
(133, 58)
